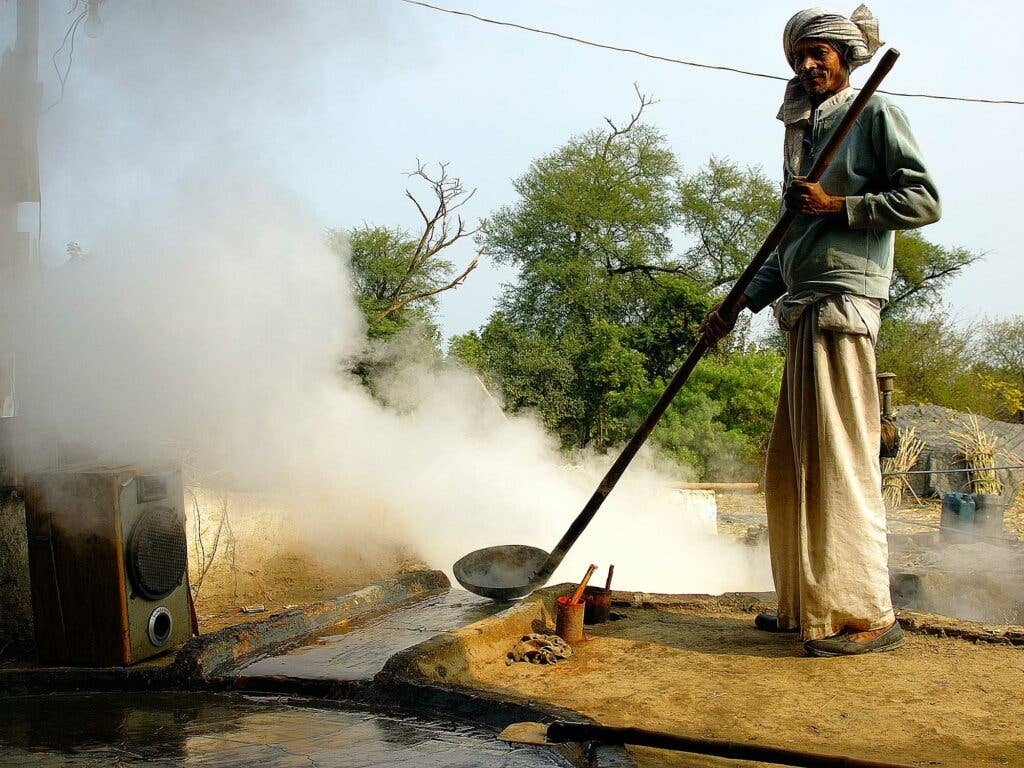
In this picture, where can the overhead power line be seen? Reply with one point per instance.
(672, 60)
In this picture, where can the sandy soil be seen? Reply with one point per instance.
(284, 579)
(937, 701)
(255, 560)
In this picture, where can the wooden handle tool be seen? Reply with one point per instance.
(583, 585)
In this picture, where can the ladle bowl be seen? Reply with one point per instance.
(502, 573)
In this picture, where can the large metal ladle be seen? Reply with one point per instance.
(511, 571)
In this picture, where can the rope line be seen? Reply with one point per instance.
(672, 60)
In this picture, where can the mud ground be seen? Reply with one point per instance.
(706, 672)
(244, 553)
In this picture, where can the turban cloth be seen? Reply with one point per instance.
(856, 38)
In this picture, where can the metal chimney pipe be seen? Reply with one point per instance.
(886, 385)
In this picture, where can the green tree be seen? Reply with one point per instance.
(618, 255)
(1001, 363)
(598, 305)
(604, 306)
(719, 424)
(379, 259)
(935, 362)
(601, 203)
(922, 270)
(727, 211)
(1002, 346)
(533, 372)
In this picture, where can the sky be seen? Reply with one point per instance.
(335, 100)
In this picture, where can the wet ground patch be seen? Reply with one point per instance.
(359, 652)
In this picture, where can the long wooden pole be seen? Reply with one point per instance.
(702, 346)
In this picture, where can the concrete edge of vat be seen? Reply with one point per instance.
(498, 711)
(424, 676)
(444, 657)
(943, 626)
(205, 657)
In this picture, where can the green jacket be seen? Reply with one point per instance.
(880, 171)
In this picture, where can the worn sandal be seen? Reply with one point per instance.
(840, 645)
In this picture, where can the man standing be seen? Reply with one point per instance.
(826, 518)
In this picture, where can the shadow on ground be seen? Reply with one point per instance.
(725, 635)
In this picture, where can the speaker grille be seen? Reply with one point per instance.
(157, 553)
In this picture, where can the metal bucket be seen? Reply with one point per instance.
(569, 620)
(598, 602)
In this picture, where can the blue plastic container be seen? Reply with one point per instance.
(957, 510)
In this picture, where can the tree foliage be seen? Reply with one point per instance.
(720, 422)
(1002, 346)
(1001, 358)
(379, 259)
(603, 307)
(727, 211)
(965, 367)
(922, 270)
(930, 356)
(599, 208)
(599, 306)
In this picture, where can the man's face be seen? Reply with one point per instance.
(821, 69)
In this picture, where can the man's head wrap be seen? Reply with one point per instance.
(856, 38)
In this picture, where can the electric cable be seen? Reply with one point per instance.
(672, 60)
(62, 77)
(951, 471)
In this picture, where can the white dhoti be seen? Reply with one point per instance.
(826, 518)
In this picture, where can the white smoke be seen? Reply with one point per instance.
(217, 327)
(209, 319)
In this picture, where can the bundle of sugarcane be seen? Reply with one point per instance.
(908, 450)
(978, 451)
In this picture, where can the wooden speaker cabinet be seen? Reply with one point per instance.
(108, 563)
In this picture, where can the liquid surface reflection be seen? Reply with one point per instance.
(204, 729)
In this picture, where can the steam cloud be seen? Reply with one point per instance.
(209, 319)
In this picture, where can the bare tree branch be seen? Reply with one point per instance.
(645, 101)
(454, 283)
(649, 269)
(921, 286)
(449, 195)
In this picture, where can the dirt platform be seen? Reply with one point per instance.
(703, 670)
(244, 552)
